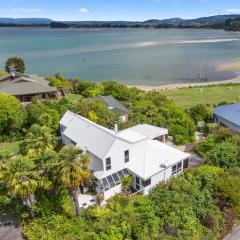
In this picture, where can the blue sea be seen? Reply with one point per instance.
(130, 56)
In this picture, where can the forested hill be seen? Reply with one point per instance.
(228, 22)
(233, 24)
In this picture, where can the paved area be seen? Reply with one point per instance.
(235, 235)
(9, 228)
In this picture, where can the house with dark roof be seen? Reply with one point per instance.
(26, 86)
(229, 116)
(116, 107)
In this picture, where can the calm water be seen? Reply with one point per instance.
(132, 56)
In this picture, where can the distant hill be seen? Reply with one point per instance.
(218, 22)
(25, 20)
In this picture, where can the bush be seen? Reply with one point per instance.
(224, 155)
(10, 115)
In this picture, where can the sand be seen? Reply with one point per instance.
(184, 85)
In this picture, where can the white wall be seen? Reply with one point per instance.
(117, 154)
(113, 191)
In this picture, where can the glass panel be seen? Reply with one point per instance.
(137, 180)
(174, 168)
(108, 161)
(120, 174)
(179, 165)
(110, 179)
(115, 177)
(105, 182)
(125, 171)
(108, 167)
(126, 156)
(146, 183)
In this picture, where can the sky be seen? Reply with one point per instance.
(133, 10)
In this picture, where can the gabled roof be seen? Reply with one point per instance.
(99, 141)
(24, 84)
(230, 113)
(87, 134)
(153, 156)
(114, 104)
(148, 131)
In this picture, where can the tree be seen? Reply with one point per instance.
(59, 82)
(223, 155)
(38, 140)
(22, 180)
(16, 64)
(200, 113)
(10, 114)
(126, 183)
(73, 171)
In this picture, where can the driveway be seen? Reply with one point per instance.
(235, 235)
(9, 228)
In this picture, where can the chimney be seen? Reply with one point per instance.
(116, 127)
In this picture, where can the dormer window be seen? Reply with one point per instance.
(126, 156)
(108, 164)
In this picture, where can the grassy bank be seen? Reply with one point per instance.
(186, 97)
(9, 147)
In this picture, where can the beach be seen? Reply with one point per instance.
(185, 85)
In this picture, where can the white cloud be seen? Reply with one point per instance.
(26, 10)
(83, 10)
(233, 10)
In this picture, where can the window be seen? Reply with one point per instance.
(176, 168)
(137, 185)
(126, 156)
(108, 164)
(146, 183)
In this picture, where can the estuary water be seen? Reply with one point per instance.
(130, 56)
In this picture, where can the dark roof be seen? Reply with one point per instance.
(114, 104)
(24, 84)
(230, 113)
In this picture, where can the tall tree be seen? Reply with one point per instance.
(22, 180)
(10, 114)
(15, 64)
(73, 171)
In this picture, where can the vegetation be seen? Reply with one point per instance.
(206, 95)
(10, 115)
(40, 179)
(16, 64)
(193, 206)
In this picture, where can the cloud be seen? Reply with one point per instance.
(26, 10)
(233, 10)
(83, 10)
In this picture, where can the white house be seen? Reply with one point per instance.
(139, 151)
(228, 115)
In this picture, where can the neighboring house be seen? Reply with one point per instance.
(116, 107)
(25, 87)
(137, 151)
(229, 116)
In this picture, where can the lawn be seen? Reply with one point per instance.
(12, 147)
(74, 97)
(186, 97)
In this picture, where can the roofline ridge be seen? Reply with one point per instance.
(94, 124)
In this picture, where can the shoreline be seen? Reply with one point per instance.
(148, 88)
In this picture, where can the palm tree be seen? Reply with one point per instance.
(22, 180)
(38, 140)
(73, 171)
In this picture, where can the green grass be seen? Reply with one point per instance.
(74, 97)
(187, 97)
(11, 148)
